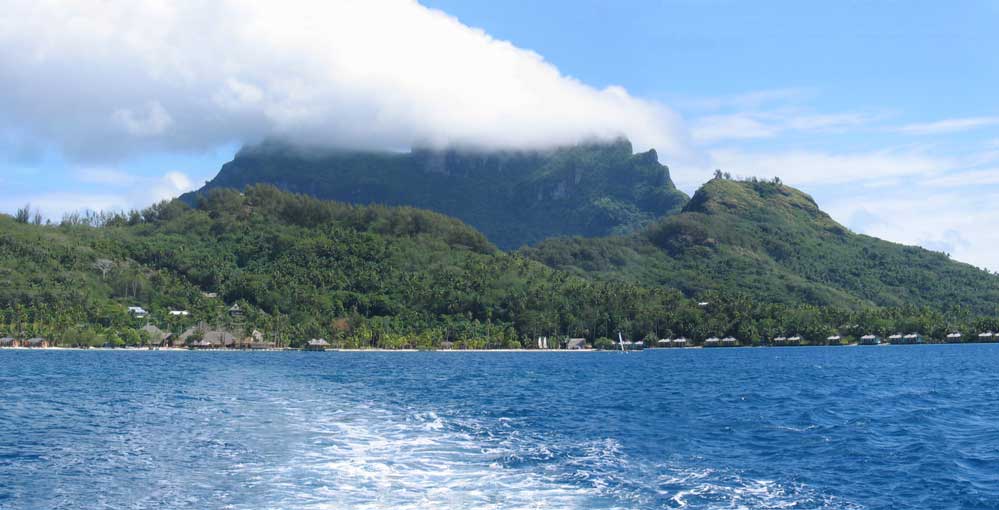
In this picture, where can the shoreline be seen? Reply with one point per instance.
(378, 350)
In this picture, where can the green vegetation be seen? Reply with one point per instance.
(392, 277)
(514, 198)
(771, 242)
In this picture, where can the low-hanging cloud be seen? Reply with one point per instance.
(104, 79)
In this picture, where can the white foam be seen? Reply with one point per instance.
(366, 457)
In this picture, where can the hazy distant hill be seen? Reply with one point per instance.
(773, 242)
(515, 198)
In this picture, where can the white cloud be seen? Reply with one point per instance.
(104, 79)
(149, 121)
(803, 168)
(769, 124)
(716, 128)
(958, 223)
(105, 176)
(988, 176)
(120, 191)
(949, 126)
(169, 186)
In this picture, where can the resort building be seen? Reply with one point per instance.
(781, 340)
(895, 339)
(212, 339)
(794, 340)
(954, 337)
(317, 344)
(729, 342)
(137, 311)
(9, 342)
(36, 343)
(870, 340)
(913, 338)
(576, 344)
(179, 313)
(664, 342)
(258, 341)
(680, 342)
(834, 340)
(986, 337)
(157, 337)
(235, 310)
(712, 342)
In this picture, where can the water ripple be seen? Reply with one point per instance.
(808, 428)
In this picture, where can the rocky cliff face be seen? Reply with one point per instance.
(515, 198)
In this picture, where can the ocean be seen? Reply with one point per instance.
(803, 428)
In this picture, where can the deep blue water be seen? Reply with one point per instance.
(836, 427)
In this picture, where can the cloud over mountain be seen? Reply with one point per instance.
(106, 79)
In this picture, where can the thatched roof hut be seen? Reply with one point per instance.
(156, 335)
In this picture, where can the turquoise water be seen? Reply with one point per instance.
(836, 427)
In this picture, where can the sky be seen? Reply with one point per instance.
(885, 112)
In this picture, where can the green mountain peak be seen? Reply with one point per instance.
(515, 198)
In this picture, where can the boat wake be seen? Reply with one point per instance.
(367, 456)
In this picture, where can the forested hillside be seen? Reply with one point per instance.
(773, 242)
(376, 276)
(514, 197)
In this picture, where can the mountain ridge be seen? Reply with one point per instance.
(374, 276)
(515, 198)
(775, 242)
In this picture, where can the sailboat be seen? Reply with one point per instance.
(628, 345)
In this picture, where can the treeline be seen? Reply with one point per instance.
(367, 276)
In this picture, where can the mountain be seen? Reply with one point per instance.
(515, 198)
(361, 275)
(762, 254)
(772, 242)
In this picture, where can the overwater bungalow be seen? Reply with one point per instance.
(895, 339)
(986, 337)
(36, 343)
(317, 344)
(729, 342)
(870, 340)
(954, 337)
(794, 340)
(9, 342)
(664, 342)
(834, 340)
(680, 342)
(712, 342)
(913, 338)
(779, 341)
(576, 344)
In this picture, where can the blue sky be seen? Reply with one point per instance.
(886, 112)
